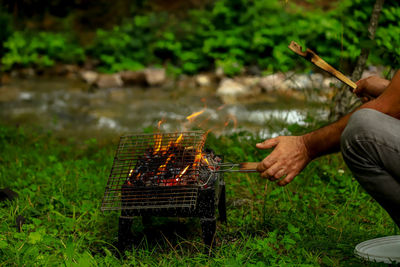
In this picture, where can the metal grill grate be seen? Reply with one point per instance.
(155, 171)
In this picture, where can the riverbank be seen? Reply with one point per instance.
(77, 100)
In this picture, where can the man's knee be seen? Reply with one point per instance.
(360, 128)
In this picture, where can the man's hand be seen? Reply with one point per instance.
(288, 159)
(370, 86)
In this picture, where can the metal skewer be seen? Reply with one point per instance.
(242, 167)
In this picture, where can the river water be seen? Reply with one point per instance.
(68, 106)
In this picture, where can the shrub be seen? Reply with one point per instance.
(40, 50)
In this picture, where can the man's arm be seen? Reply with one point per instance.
(293, 153)
(327, 139)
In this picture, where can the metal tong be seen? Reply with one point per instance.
(237, 167)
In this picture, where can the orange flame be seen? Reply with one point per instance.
(182, 173)
(159, 124)
(157, 142)
(179, 139)
(191, 117)
(162, 167)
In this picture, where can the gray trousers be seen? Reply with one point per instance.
(370, 145)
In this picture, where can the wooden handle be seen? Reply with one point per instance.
(319, 62)
(248, 166)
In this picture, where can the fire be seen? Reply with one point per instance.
(191, 117)
(183, 172)
(159, 124)
(162, 167)
(157, 142)
(179, 139)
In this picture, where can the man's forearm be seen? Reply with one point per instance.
(327, 139)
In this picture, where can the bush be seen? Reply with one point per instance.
(6, 31)
(24, 49)
(230, 34)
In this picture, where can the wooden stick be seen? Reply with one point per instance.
(248, 166)
(319, 62)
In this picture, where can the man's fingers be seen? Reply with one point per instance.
(279, 174)
(287, 179)
(265, 164)
(267, 144)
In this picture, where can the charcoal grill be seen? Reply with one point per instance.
(165, 174)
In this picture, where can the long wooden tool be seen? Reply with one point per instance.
(319, 62)
(237, 167)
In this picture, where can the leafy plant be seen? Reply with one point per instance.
(41, 50)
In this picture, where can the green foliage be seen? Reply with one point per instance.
(233, 34)
(40, 50)
(230, 34)
(6, 31)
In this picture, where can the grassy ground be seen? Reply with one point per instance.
(316, 220)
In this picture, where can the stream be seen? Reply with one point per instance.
(68, 106)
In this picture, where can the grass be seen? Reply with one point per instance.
(316, 220)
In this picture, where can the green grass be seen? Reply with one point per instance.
(316, 220)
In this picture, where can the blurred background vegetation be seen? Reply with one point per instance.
(193, 36)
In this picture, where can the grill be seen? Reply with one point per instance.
(165, 174)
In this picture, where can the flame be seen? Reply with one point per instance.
(162, 167)
(157, 142)
(159, 124)
(179, 139)
(191, 117)
(182, 173)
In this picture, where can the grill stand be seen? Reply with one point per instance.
(208, 200)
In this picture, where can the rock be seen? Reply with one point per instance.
(109, 81)
(133, 77)
(203, 80)
(155, 76)
(272, 82)
(25, 96)
(230, 90)
(329, 83)
(298, 82)
(317, 80)
(229, 87)
(27, 73)
(248, 81)
(253, 70)
(185, 82)
(69, 68)
(64, 69)
(219, 72)
(89, 76)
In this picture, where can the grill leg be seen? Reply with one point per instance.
(124, 232)
(208, 227)
(222, 205)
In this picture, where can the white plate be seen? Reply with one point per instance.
(383, 249)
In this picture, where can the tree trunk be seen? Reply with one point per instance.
(345, 100)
